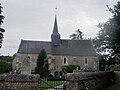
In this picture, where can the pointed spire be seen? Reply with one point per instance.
(55, 37)
(55, 29)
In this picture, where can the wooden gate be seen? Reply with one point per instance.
(52, 84)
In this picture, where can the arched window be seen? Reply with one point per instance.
(28, 57)
(65, 61)
(86, 61)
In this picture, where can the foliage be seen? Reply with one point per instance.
(40, 60)
(44, 72)
(78, 35)
(102, 63)
(56, 73)
(46, 65)
(14, 55)
(108, 39)
(116, 67)
(69, 68)
(116, 85)
(4, 66)
(7, 58)
(42, 64)
(1, 29)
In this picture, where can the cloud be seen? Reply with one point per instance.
(33, 19)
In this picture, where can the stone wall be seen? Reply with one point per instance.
(57, 61)
(89, 80)
(19, 82)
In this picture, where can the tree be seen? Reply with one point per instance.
(40, 60)
(46, 65)
(1, 29)
(42, 64)
(102, 62)
(78, 35)
(4, 66)
(8, 59)
(108, 39)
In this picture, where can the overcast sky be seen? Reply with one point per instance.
(34, 19)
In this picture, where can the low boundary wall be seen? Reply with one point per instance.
(89, 80)
(19, 82)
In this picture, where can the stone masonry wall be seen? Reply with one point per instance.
(19, 82)
(89, 80)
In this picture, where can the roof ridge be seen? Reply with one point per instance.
(75, 40)
(33, 41)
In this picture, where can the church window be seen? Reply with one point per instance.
(28, 57)
(65, 60)
(86, 61)
(74, 60)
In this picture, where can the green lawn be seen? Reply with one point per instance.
(44, 84)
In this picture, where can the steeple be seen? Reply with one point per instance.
(55, 29)
(55, 37)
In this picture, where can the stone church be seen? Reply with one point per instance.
(59, 52)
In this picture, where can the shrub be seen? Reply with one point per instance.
(116, 67)
(69, 68)
(4, 66)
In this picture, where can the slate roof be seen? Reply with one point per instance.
(67, 47)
